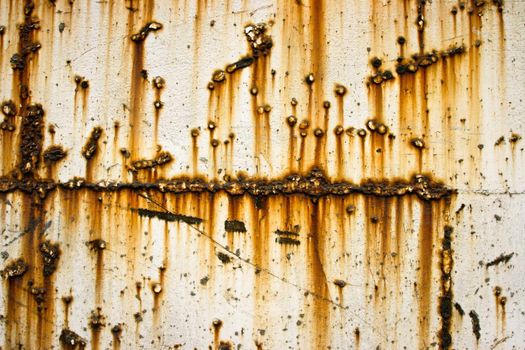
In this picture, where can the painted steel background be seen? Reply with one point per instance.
(265, 174)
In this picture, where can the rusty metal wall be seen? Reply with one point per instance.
(262, 174)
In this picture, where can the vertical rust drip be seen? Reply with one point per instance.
(317, 279)
(426, 235)
(318, 42)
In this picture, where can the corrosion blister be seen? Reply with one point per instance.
(50, 254)
(167, 216)
(234, 226)
(54, 153)
(149, 27)
(91, 146)
(162, 158)
(15, 269)
(72, 339)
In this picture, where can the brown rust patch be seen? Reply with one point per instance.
(50, 255)
(31, 139)
(71, 340)
(426, 242)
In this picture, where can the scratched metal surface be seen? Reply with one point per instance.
(264, 174)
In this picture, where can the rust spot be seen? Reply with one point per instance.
(91, 146)
(260, 42)
(224, 258)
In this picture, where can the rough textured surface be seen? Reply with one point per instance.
(263, 174)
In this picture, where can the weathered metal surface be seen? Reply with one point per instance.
(271, 174)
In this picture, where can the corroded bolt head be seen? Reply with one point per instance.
(158, 104)
(361, 132)
(418, 143)
(267, 108)
(159, 82)
(376, 62)
(303, 133)
(382, 129)
(350, 209)
(194, 132)
(254, 91)
(293, 101)
(214, 142)
(371, 125)
(157, 288)
(318, 132)
(326, 104)
(292, 120)
(219, 76)
(338, 130)
(304, 124)
(340, 90)
(309, 79)
(211, 86)
(211, 125)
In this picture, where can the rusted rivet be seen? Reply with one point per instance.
(267, 108)
(361, 132)
(158, 104)
(480, 146)
(350, 209)
(125, 152)
(454, 10)
(78, 79)
(497, 291)
(382, 129)
(338, 130)
(292, 120)
(514, 138)
(254, 91)
(350, 131)
(211, 86)
(412, 68)
(401, 40)
(418, 143)
(503, 301)
(231, 135)
(211, 125)
(371, 125)
(326, 104)
(318, 132)
(309, 79)
(462, 5)
(477, 43)
(157, 288)
(340, 283)
(9, 108)
(194, 132)
(2, 30)
(117, 329)
(84, 84)
(214, 142)
(374, 219)
(212, 23)
(273, 71)
(376, 78)
(219, 76)
(260, 109)
(159, 82)
(387, 75)
(340, 90)
(376, 62)
(226, 142)
(303, 133)
(217, 323)
(293, 102)
(304, 124)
